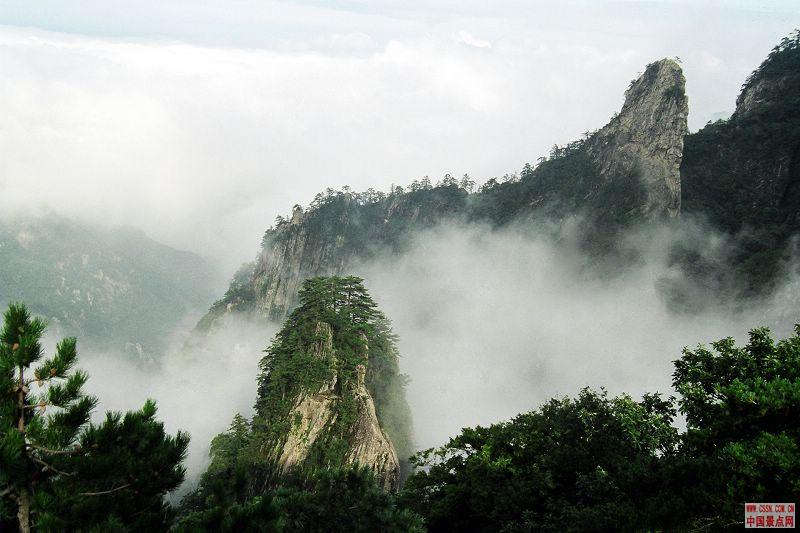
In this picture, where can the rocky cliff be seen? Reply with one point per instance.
(741, 175)
(316, 413)
(646, 138)
(330, 393)
(627, 171)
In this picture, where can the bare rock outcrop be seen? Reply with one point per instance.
(646, 137)
(314, 416)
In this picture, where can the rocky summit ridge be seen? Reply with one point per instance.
(315, 412)
(628, 170)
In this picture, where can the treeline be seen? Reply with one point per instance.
(466, 184)
(595, 463)
(588, 463)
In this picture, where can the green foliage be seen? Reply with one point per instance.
(57, 470)
(336, 500)
(240, 297)
(340, 311)
(344, 500)
(742, 441)
(256, 515)
(129, 463)
(592, 463)
(607, 464)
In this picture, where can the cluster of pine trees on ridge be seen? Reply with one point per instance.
(588, 463)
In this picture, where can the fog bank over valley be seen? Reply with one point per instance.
(493, 323)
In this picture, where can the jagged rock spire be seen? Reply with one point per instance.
(646, 137)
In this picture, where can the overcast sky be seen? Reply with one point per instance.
(199, 122)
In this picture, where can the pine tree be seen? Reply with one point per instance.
(30, 439)
(58, 471)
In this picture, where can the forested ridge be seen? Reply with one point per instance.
(95, 282)
(738, 178)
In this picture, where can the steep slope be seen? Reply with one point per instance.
(743, 174)
(626, 172)
(330, 392)
(330, 395)
(646, 138)
(322, 410)
(115, 289)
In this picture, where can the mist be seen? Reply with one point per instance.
(201, 138)
(199, 384)
(494, 323)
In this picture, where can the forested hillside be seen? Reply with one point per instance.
(114, 288)
(330, 399)
(743, 174)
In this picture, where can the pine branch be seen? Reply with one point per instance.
(57, 452)
(41, 381)
(125, 486)
(51, 467)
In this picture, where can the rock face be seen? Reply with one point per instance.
(627, 171)
(369, 444)
(326, 241)
(312, 412)
(314, 416)
(774, 83)
(295, 253)
(646, 137)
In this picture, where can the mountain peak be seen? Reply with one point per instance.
(646, 137)
(773, 80)
(331, 394)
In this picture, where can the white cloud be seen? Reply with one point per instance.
(202, 145)
(494, 323)
(468, 39)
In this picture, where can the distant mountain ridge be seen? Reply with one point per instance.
(114, 288)
(642, 166)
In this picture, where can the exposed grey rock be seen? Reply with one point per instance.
(646, 137)
(314, 413)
